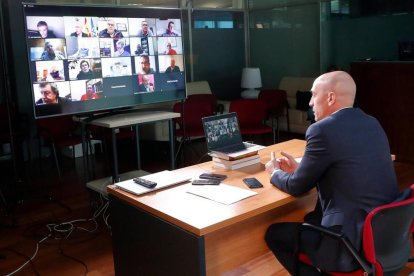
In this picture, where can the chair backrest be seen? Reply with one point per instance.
(198, 87)
(192, 111)
(387, 230)
(276, 101)
(250, 112)
(205, 98)
(56, 127)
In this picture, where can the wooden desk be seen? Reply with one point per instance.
(176, 233)
(135, 119)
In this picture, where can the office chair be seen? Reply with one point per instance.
(58, 132)
(192, 110)
(277, 106)
(251, 114)
(386, 238)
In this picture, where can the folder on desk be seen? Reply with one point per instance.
(163, 179)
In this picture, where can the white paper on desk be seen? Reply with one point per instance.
(222, 193)
(163, 179)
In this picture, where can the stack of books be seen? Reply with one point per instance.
(236, 163)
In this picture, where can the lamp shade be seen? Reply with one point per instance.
(251, 78)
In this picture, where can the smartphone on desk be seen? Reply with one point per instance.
(214, 176)
(252, 183)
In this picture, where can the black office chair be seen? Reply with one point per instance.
(386, 238)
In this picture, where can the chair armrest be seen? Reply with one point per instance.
(340, 236)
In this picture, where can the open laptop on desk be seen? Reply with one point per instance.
(224, 139)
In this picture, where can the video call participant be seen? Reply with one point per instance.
(170, 30)
(145, 65)
(120, 49)
(145, 31)
(146, 85)
(110, 31)
(169, 50)
(347, 158)
(50, 54)
(139, 51)
(117, 69)
(50, 94)
(90, 94)
(78, 29)
(43, 30)
(86, 72)
(172, 67)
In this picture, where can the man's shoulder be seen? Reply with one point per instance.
(103, 33)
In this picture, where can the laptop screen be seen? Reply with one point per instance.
(222, 131)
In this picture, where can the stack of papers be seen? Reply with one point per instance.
(222, 193)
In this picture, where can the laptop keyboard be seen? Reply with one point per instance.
(235, 148)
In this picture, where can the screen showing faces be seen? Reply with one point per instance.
(84, 59)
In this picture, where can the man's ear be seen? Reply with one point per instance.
(331, 98)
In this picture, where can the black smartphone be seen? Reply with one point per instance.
(252, 183)
(214, 176)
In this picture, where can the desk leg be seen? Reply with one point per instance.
(85, 149)
(171, 126)
(137, 147)
(115, 157)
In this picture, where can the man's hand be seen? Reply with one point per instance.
(287, 163)
(272, 164)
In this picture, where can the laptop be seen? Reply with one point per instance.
(224, 139)
(163, 179)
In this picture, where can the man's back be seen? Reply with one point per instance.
(354, 168)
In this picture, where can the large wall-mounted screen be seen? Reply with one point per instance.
(84, 59)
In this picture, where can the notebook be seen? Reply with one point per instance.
(224, 139)
(164, 179)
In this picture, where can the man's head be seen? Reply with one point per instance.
(89, 89)
(84, 65)
(42, 28)
(78, 27)
(145, 64)
(49, 48)
(170, 27)
(110, 26)
(145, 80)
(144, 26)
(117, 69)
(120, 46)
(330, 92)
(172, 61)
(50, 92)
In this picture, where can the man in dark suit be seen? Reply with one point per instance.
(347, 158)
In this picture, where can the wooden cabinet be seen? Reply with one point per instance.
(385, 90)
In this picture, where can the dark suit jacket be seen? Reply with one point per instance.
(347, 158)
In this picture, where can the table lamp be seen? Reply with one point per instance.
(251, 80)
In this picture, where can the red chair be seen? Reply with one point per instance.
(251, 114)
(58, 132)
(277, 106)
(192, 110)
(386, 238)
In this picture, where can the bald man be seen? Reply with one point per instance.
(347, 158)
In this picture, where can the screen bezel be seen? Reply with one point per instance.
(171, 93)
